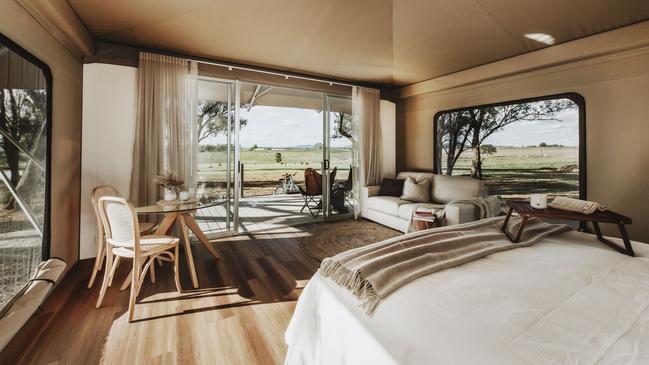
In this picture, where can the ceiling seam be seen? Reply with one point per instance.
(493, 17)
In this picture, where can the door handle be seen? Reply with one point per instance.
(326, 164)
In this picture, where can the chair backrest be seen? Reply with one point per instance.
(120, 222)
(97, 193)
(312, 182)
(332, 177)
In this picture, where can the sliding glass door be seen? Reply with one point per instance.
(280, 144)
(278, 156)
(337, 156)
(216, 161)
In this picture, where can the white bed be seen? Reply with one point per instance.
(567, 300)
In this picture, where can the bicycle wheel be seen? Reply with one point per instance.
(279, 190)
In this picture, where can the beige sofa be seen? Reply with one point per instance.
(395, 212)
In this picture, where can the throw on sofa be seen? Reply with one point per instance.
(394, 212)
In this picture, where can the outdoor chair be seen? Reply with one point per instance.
(342, 192)
(313, 189)
(123, 240)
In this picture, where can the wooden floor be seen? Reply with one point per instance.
(238, 316)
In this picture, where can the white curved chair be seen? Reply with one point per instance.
(123, 239)
(98, 192)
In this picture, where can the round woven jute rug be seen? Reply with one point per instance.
(330, 239)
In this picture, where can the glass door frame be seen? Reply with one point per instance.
(230, 204)
(327, 214)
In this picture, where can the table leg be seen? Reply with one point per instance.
(628, 250)
(625, 238)
(188, 249)
(505, 222)
(520, 230)
(166, 224)
(193, 226)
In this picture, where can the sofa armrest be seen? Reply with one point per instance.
(366, 192)
(372, 190)
(456, 213)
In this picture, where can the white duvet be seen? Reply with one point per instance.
(567, 300)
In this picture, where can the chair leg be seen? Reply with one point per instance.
(112, 272)
(107, 271)
(152, 271)
(135, 276)
(127, 281)
(99, 259)
(176, 271)
(142, 278)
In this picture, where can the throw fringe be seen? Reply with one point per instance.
(354, 281)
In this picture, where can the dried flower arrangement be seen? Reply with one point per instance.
(169, 181)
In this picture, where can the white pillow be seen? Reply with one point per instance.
(418, 192)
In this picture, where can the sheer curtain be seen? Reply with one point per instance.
(366, 133)
(165, 134)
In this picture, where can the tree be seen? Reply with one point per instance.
(254, 147)
(342, 126)
(213, 119)
(452, 135)
(317, 145)
(22, 116)
(486, 121)
(543, 144)
(278, 157)
(488, 149)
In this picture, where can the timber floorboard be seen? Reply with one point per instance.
(238, 315)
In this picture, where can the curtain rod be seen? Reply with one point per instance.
(287, 76)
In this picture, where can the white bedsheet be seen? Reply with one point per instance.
(567, 300)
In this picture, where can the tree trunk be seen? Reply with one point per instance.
(476, 163)
(439, 130)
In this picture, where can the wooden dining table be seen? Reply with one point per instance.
(180, 215)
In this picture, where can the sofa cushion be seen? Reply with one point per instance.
(391, 187)
(385, 204)
(448, 188)
(418, 192)
(418, 176)
(405, 210)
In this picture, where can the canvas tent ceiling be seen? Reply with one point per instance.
(379, 41)
(273, 96)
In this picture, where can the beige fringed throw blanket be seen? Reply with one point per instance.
(375, 271)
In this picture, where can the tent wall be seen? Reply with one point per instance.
(17, 25)
(616, 90)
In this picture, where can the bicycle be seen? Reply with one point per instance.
(288, 185)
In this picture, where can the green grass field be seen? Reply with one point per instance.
(262, 173)
(516, 172)
(511, 172)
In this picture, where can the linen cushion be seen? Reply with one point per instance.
(418, 176)
(418, 192)
(391, 187)
(448, 188)
(385, 204)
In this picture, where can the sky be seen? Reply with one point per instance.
(564, 132)
(280, 127)
(286, 127)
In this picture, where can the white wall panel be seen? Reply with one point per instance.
(109, 107)
(388, 117)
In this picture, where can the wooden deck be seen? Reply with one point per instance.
(237, 316)
(258, 213)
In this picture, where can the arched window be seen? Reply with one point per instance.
(25, 115)
(518, 147)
